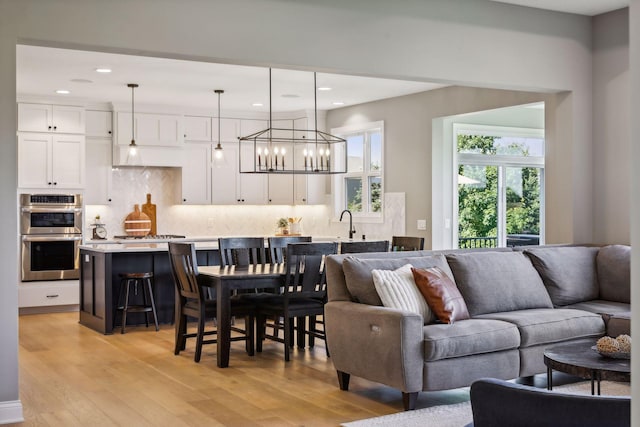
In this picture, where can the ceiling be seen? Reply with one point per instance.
(580, 7)
(41, 71)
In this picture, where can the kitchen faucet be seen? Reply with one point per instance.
(352, 231)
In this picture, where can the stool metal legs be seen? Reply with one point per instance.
(148, 306)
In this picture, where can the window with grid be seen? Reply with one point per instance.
(361, 189)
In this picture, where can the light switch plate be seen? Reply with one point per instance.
(422, 224)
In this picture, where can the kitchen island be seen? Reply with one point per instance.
(100, 265)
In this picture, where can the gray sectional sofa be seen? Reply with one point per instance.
(520, 301)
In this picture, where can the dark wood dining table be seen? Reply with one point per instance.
(226, 279)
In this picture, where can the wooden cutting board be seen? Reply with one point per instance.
(137, 223)
(150, 210)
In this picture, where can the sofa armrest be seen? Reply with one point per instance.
(376, 343)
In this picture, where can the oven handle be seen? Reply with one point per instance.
(50, 238)
(50, 209)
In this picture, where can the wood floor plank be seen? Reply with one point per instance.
(73, 376)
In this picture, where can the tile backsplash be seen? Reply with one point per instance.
(130, 186)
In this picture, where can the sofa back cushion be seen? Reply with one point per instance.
(568, 272)
(492, 282)
(359, 280)
(613, 264)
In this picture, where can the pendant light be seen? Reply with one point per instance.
(218, 154)
(133, 154)
(311, 152)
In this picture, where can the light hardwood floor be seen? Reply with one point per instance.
(73, 376)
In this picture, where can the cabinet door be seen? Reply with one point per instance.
(99, 124)
(68, 161)
(253, 186)
(150, 129)
(250, 126)
(34, 117)
(224, 178)
(197, 128)
(229, 130)
(281, 186)
(98, 178)
(34, 160)
(196, 174)
(68, 119)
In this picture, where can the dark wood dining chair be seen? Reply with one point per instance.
(192, 301)
(278, 246)
(241, 251)
(364, 246)
(407, 243)
(305, 292)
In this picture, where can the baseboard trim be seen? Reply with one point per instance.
(11, 412)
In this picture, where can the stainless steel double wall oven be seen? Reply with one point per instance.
(51, 231)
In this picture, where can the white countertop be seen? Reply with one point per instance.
(156, 245)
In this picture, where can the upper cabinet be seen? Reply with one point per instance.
(99, 124)
(46, 160)
(51, 118)
(197, 128)
(150, 129)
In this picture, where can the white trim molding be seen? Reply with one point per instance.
(11, 412)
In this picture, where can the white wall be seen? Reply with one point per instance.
(611, 141)
(509, 47)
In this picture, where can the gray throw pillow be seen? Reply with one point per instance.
(359, 279)
(493, 282)
(568, 272)
(614, 273)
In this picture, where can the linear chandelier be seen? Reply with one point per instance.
(293, 151)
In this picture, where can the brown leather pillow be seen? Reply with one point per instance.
(441, 293)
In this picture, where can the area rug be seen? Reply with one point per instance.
(459, 414)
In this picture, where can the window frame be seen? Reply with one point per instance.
(502, 162)
(338, 182)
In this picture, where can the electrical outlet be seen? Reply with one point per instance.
(422, 224)
(209, 222)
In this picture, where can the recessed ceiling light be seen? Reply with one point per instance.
(81, 81)
(103, 70)
(324, 88)
(290, 95)
(63, 92)
(338, 103)
(257, 104)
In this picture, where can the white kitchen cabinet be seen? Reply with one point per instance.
(196, 174)
(225, 181)
(308, 189)
(99, 124)
(229, 187)
(150, 129)
(99, 172)
(197, 128)
(43, 294)
(51, 161)
(281, 186)
(229, 130)
(251, 126)
(50, 118)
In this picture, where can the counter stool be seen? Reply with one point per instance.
(148, 305)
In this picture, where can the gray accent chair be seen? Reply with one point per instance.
(498, 403)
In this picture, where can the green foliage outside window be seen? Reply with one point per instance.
(478, 203)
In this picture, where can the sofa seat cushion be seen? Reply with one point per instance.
(601, 307)
(614, 273)
(468, 337)
(492, 282)
(359, 279)
(569, 273)
(549, 325)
